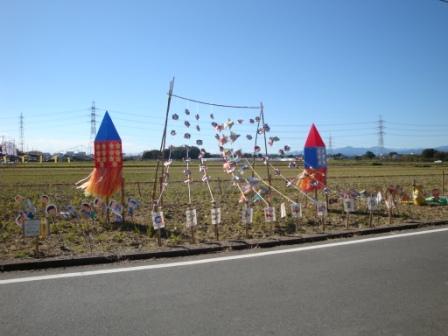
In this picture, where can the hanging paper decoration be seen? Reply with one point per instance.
(240, 121)
(198, 128)
(199, 142)
(219, 127)
(234, 136)
(187, 135)
(197, 116)
(173, 132)
(223, 140)
(257, 119)
(212, 116)
(106, 177)
(272, 140)
(187, 111)
(286, 148)
(257, 149)
(249, 137)
(175, 116)
(187, 123)
(315, 162)
(252, 121)
(229, 124)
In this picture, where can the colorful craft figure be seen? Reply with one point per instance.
(106, 177)
(315, 163)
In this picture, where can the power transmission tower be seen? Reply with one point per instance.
(21, 131)
(92, 126)
(330, 145)
(381, 133)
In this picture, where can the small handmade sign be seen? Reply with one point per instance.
(269, 214)
(133, 205)
(390, 203)
(349, 204)
(117, 209)
(87, 211)
(372, 203)
(192, 219)
(321, 209)
(158, 221)
(379, 197)
(31, 228)
(247, 215)
(296, 210)
(216, 216)
(51, 211)
(282, 210)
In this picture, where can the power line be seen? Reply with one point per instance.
(218, 105)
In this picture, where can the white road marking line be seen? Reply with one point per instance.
(213, 260)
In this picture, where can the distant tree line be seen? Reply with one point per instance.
(428, 154)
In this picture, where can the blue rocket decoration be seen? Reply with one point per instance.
(106, 177)
(315, 162)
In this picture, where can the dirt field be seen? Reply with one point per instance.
(84, 236)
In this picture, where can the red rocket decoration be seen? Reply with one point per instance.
(106, 177)
(315, 163)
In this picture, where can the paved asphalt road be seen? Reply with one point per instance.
(387, 287)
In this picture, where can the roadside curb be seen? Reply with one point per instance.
(217, 247)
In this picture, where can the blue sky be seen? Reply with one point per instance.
(338, 63)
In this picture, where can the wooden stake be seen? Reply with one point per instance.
(139, 191)
(37, 247)
(159, 237)
(220, 186)
(443, 183)
(123, 203)
(347, 218)
(370, 218)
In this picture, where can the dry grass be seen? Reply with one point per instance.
(81, 236)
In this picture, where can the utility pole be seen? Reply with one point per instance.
(92, 126)
(381, 133)
(21, 131)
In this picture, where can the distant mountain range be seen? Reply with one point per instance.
(354, 151)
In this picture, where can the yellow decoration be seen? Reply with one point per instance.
(417, 196)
